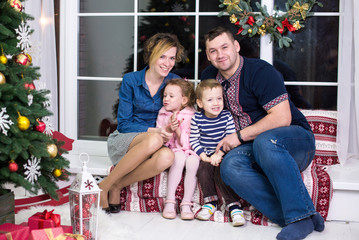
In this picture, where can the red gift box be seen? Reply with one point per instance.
(9, 231)
(44, 220)
(52, 234)
(65, 228)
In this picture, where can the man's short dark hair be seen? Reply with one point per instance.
(215, 32)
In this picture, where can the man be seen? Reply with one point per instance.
(273, 142)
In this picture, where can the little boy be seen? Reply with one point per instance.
(208, 128)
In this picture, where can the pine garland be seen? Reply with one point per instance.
(261, 23)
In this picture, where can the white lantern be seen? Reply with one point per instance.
(84, 197)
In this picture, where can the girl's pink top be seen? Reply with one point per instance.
(185, 116)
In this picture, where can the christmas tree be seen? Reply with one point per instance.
(29, 156)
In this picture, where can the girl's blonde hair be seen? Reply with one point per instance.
(159, 43)
(187, 90)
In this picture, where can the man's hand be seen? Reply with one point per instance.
(228, 143)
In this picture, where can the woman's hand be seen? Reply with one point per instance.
(166, 136)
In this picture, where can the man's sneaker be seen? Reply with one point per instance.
(206, 212)
(237, 217)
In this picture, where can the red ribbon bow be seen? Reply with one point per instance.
(289, 26)
(49, 215)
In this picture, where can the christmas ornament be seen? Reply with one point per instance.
(30, 86)
(22, 59)
(29, 56)
(2, 78)
(32, 169)
(30, 99)
(40, 127)
(254, 23)
(5, 122)
(3, 59)
(23, 32)
(16, 4)
(23, 123)
(49, 129)
(52, 150)
(13, 167)
(57, 172)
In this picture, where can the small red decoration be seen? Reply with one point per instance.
(13, 167)
(285, 23)
(41, 126)
(30, 86)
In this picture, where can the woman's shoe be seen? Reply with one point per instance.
(185, 215)
(107, 210)
(169, 212)
(114, 208)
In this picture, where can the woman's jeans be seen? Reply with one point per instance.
(266, 173)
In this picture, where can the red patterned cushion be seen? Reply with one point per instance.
(324, 126)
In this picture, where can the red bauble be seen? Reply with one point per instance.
(30, 86)
(22, 59)
(13, 167)
(41, 127)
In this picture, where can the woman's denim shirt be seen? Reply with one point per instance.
(137, 109)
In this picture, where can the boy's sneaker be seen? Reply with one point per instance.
(206, 212)
(237, 217)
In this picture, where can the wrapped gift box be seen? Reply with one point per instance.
(14, 232)
(65, 228)
(52, 233)
(44, 220)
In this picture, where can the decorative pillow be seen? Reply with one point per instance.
(324, 126)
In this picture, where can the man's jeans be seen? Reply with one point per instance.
(266, 173)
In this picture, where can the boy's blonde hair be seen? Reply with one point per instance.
(206, 84)
(187, 90)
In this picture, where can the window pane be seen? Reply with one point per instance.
(166, 6)
(106, 6)
(328, 6)
(314, 54)
(212, 6)
(314, 97)
(101, 56)
(96, 99)
(181, 26)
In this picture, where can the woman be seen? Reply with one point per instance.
(136, 147)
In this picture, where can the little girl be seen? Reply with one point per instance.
(175, 116)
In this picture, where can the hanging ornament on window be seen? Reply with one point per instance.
(13, 167)
(2, 78)
(16, 4)
(5, 122)
(32, 169)
(23, 122)
(23, 32)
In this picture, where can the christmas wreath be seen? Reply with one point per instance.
(260, 23)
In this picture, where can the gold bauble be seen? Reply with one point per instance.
(250, 30)
(263, 26)
(57, 172)
(16, 4)
(29, 57)
(3, 59)
(23, 123)
(52, 150)
(2, 78)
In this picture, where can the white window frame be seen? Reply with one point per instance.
(68, 87)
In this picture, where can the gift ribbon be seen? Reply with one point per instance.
(45, 215)
(7, 234)
(62, 236)
(303, 9)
